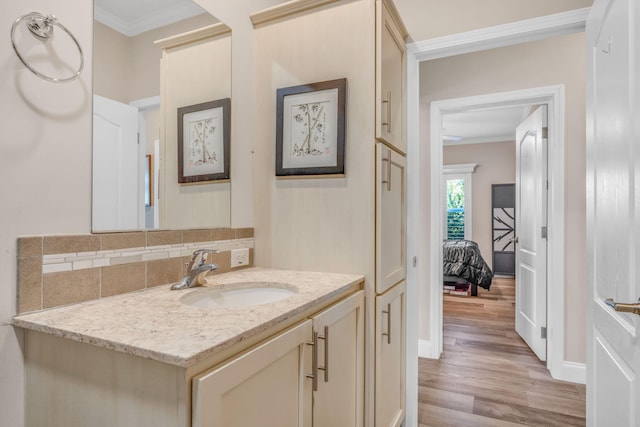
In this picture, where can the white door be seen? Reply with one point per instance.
(531, 223)
(613, 213)
(117, 202)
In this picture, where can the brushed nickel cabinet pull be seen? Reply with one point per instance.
(388, 333)
(387, 180)
(389, 172)
(325, 368)
(388, 161)
(388, 102)
(314, 361)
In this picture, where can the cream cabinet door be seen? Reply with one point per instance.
(338, 398)
(390, 357)
(390, 79)
(267, 386)
(391, 202)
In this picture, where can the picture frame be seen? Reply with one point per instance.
(204, 139)
(311, 129)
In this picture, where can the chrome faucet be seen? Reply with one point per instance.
(196, 270)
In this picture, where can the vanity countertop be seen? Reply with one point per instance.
(154, 324)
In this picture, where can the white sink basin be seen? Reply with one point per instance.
(239, 295)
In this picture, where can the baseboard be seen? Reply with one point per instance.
(425, 349)
(573, 372)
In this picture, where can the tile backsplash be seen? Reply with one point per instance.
(56, 270)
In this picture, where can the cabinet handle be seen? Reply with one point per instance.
(314, 361)
(388, 161)
(388, 102)
(325, 368)
(388, 333)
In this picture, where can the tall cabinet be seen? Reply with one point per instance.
(391, 272)
(353, 223)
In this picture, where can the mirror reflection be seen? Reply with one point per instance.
(137, 91)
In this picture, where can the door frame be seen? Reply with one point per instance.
(554, 98)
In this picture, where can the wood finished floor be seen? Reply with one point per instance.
(487, 376)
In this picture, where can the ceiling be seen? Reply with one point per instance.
(132, 17)
(480, 126)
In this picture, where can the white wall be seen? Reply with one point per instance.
(45, 167)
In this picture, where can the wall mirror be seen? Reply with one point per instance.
(141, 77)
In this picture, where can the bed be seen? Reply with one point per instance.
(462, 263)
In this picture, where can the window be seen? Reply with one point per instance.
(457, 201)
(455, 209)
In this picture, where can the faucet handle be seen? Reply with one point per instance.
(199, 257)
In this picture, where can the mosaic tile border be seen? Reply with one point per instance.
(55, 263)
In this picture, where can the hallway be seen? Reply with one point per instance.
(487, 376)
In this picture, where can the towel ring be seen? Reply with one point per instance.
(41, 27)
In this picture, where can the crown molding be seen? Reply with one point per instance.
(207, 32)
(286, 9)
(501, 35)
(151, 21)
(459, 168)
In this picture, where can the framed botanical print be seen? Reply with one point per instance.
(204, 141)
(310, 129)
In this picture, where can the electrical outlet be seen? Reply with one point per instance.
(239, 257)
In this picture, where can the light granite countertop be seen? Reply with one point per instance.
(154, 324)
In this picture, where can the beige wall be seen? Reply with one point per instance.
(318, 224)
(496, 164)
(113, 65)
(426, 19)
(559, 60)
(128, 68)
(45, 167)
(192, 74)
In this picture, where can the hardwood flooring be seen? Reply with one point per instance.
(487, 376)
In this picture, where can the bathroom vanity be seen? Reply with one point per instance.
(155, 358)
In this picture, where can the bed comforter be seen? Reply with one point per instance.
(461, 258)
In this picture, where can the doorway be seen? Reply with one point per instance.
(553, 97)
(507, 145)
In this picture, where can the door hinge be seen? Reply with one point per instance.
(415, 261)
(138, 138)
(543, 232)
(543, 332)
(545, 132)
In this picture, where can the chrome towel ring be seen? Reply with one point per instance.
(41, 27)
